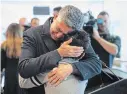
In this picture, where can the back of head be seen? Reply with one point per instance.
(72, 17)
(14, 30)
(56, 11)
(103, 13)
(80, 38)
(12, 45)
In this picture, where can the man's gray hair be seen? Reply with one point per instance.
(72, 17)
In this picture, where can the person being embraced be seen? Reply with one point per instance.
(77, 38)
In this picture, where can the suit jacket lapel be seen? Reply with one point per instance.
(49, 42)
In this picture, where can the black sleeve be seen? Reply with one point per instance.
(89, 66)
(117, 41)
(3, 59)
(29, 64)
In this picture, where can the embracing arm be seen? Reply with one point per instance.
(89, 66)
(86, 68)
(29, 64)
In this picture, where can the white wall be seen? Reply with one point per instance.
(118, 14)
(12, 10)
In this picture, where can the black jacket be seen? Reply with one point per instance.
(39, 54)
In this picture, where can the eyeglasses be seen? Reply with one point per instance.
(100, 21)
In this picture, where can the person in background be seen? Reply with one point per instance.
(106, 45)
(42, 51)
(10, 52)
(34, 22)
(23, 24)
(22, 21)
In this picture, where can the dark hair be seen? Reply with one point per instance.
(34, 19)
(80, 38)
(57, 9)
(103, 13)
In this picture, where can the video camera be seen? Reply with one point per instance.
(88, 27)
(91, 23)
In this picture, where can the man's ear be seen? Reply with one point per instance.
(55, 16)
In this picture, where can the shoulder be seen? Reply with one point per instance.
(33, 32)
(115, 37)
(84, 36)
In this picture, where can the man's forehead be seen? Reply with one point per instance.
(103, 16)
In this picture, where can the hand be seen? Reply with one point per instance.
(96, 34)
(57, 75)
(65, 50)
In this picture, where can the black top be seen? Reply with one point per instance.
(102, 53)
(11, 74)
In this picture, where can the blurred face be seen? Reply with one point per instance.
(22, 21)
(59, 29)
(105, 25)
(34, 23)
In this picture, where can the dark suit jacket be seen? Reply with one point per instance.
(39, 54)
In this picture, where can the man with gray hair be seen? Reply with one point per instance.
(42, 50)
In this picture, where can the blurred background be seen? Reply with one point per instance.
(12, 10)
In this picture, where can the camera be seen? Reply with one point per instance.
(91, 22)
(88, 27)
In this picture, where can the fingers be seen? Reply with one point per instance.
(66, 50)
(53, 80)
(76, 52)
(58, 82)
(76, 48)
(53, 72)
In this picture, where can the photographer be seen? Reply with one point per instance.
(107, 46)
